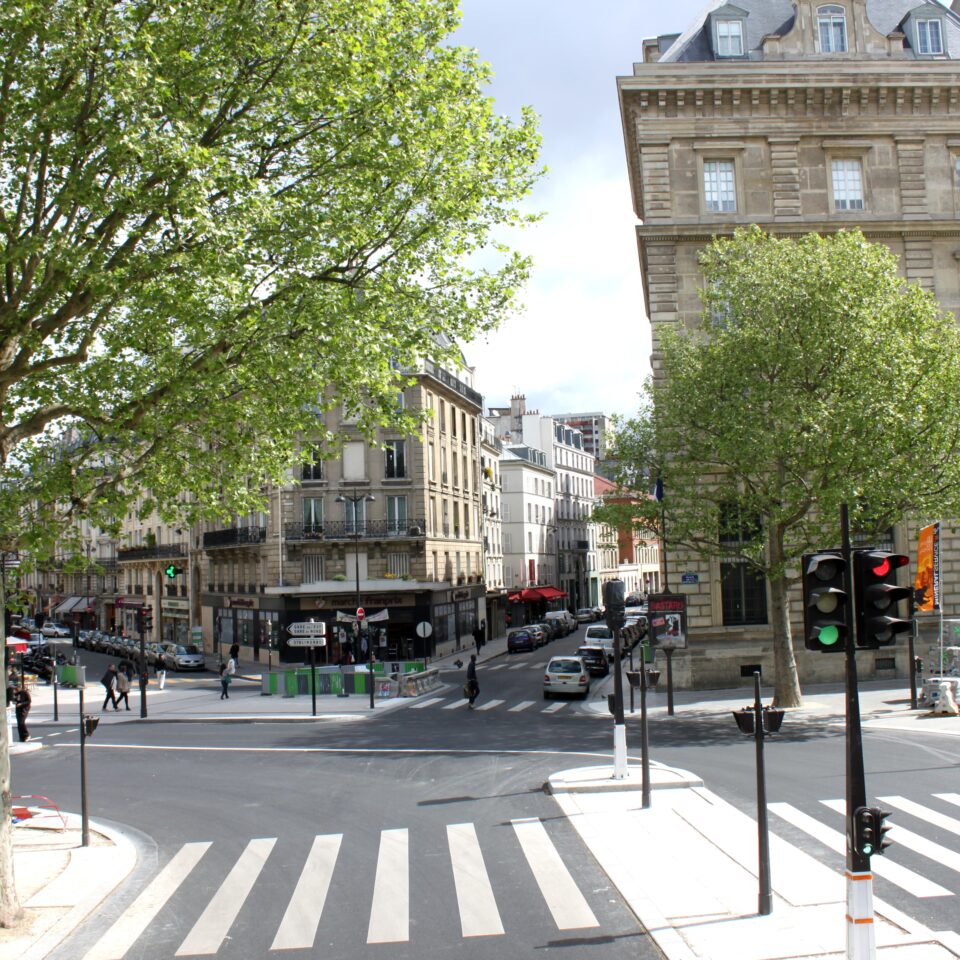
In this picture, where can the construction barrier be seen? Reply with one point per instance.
(414, 684)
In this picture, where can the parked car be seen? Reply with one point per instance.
(567, 675)
(538, 633)
(586, 615)
(566, 620)
(52, 628)
(552, 629)
(595, 660)
(601, 635)
(178, 656)
(520, 639)
(153, 652)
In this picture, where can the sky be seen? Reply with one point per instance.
(581, 341)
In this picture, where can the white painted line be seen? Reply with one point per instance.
(567, 904)
(211, 929)
(520, 666)
(499, 666)
(115, 943)
(522, 705)
(949, 797)
(913, 883)
(910, 840)
(427, 703)
(540, 666)
(55, 734)
(390, 912)
(490, 704)
(298, 929)
(950, 824)
(479, 916)
(554, 707)
(455, 704)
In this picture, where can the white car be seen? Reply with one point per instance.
(51, 628)
(565, 618)
(566, 675)
(600, 635)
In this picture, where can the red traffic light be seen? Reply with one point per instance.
(889, 562)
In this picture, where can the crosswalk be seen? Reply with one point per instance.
(458, 703)
(183, 887)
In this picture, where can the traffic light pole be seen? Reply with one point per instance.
(143, 677)
(619, 726)
(861, 940)
(84, 816)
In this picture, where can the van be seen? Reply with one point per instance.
(565, 617)
(600, 635)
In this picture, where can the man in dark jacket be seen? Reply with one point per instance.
(471, 689)
(22, 703)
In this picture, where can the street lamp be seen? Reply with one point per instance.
(359, 498)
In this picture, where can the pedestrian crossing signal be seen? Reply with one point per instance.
(869, 830)
(825, 598)
(878, 597)
(172, 570)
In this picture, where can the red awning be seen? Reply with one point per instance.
(551, 593)
(535, 594)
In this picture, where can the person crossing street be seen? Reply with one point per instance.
(471, 689)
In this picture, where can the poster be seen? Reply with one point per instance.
(926, 585)
(667, 616)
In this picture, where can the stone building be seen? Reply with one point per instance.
(800, 117)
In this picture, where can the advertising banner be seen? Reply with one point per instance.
(926, 586)
(667, 620)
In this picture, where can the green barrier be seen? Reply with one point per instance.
(290, 684)
(336, 683)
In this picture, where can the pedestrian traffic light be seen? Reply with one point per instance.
(147, 613)
(89, 724)
(878, 596)
(138, 619)
(825, 599)
(614, 594)
(869, 830)
(172, 570)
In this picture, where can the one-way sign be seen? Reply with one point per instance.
(309, 628)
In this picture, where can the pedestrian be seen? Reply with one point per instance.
(235, 652)
(224, 682)
(123, 689)
(109, 681)
(22, 703)
(471, 689)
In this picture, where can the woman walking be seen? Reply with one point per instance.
(123, 689)
(225, 677)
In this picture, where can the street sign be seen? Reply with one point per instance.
(360, 613)
(424, 629)
(689, 578)
(308, 628)
(307, 642)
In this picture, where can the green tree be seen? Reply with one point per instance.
(816, 378)
(216, 220)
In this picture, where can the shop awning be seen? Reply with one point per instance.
(74, 605)
(535, 594)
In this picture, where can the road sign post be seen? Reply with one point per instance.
(312, 634)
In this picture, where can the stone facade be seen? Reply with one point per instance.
(787, 133)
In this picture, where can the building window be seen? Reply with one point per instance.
(396, 515)
(312, 470)
(395, 453)
(355, 515)
(847, 184)
(832, 26)
(456, 471)
(354, 467)
(398, 564)
(312, 567)
(443, 417)
(729, 38)
(743, 589)
(443, 465)
(431, 466)
(929, 37)
(312, 515)
(719, 187)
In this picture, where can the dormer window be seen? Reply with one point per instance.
(832, 26)
(929, 37)
(729, 38)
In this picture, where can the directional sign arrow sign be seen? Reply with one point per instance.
(307, 642)
(309, 628)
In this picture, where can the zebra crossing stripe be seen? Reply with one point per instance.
(114, 944)
(211, 929)
(912, 841)
(918, 810)
(567, 904)
(455, 704)
(498, 666)
(490, 704)
(519, 666)
(953, 798)
(298, 929)
(913, 883)
(479, 916)
(427, 703)
(522, 705)
(390, 912)
(554, 707)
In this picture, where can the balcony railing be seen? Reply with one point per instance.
(438, 373)
(347, 530)
(234, 537)
(159, 551)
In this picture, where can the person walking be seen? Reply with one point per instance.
(22, 702)
(471, 689)
(235, 652)
(123, 689)
(225, 677)
(109, 681)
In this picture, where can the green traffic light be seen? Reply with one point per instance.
(828, 635)
(171, 571)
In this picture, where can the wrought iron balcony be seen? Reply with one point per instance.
(159, 551)
(234, 537)
(347, 530)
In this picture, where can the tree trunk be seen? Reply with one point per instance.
(10, 909)
(787, 691)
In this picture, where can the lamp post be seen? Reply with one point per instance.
(359, 498)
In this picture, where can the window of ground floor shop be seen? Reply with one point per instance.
(744, 594)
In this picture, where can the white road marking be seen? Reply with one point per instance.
(554, 707)
(211, 929)
(479, 916)
(499, 666)
(115, 943)
(949, 797)
(390, 911)
(298, 929)
(520, 666)
(490, 704)
(950, 824)
(427, 703)
(455, 704)
(567, 904)
(522, 705)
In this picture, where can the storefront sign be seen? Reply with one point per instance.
(349, 601)
(667, 613)
(239, 602)
(167, 604)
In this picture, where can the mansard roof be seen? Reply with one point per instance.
(761, 18)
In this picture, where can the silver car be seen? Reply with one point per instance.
(178, 656)
(567, 675)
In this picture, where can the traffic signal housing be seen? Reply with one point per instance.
(878, 597)
(172, 570)
(147, 613)
(138, 619)
(825, 599)
(614, 602)
(869, 830)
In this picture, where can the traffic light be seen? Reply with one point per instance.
(614, 594)
(825, 597)
(878, 596)
(869, 831)
(89, 724)
(138, 619)
(147, 613)
(172, 570)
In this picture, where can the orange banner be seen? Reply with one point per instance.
(926, 586)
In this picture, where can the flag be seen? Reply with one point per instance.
(926, 585)
(658, 490)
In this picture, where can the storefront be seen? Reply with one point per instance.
(253, 623)
(175, 617)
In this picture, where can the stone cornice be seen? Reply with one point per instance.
(880, 230)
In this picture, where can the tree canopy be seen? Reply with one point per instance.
(816, 377)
